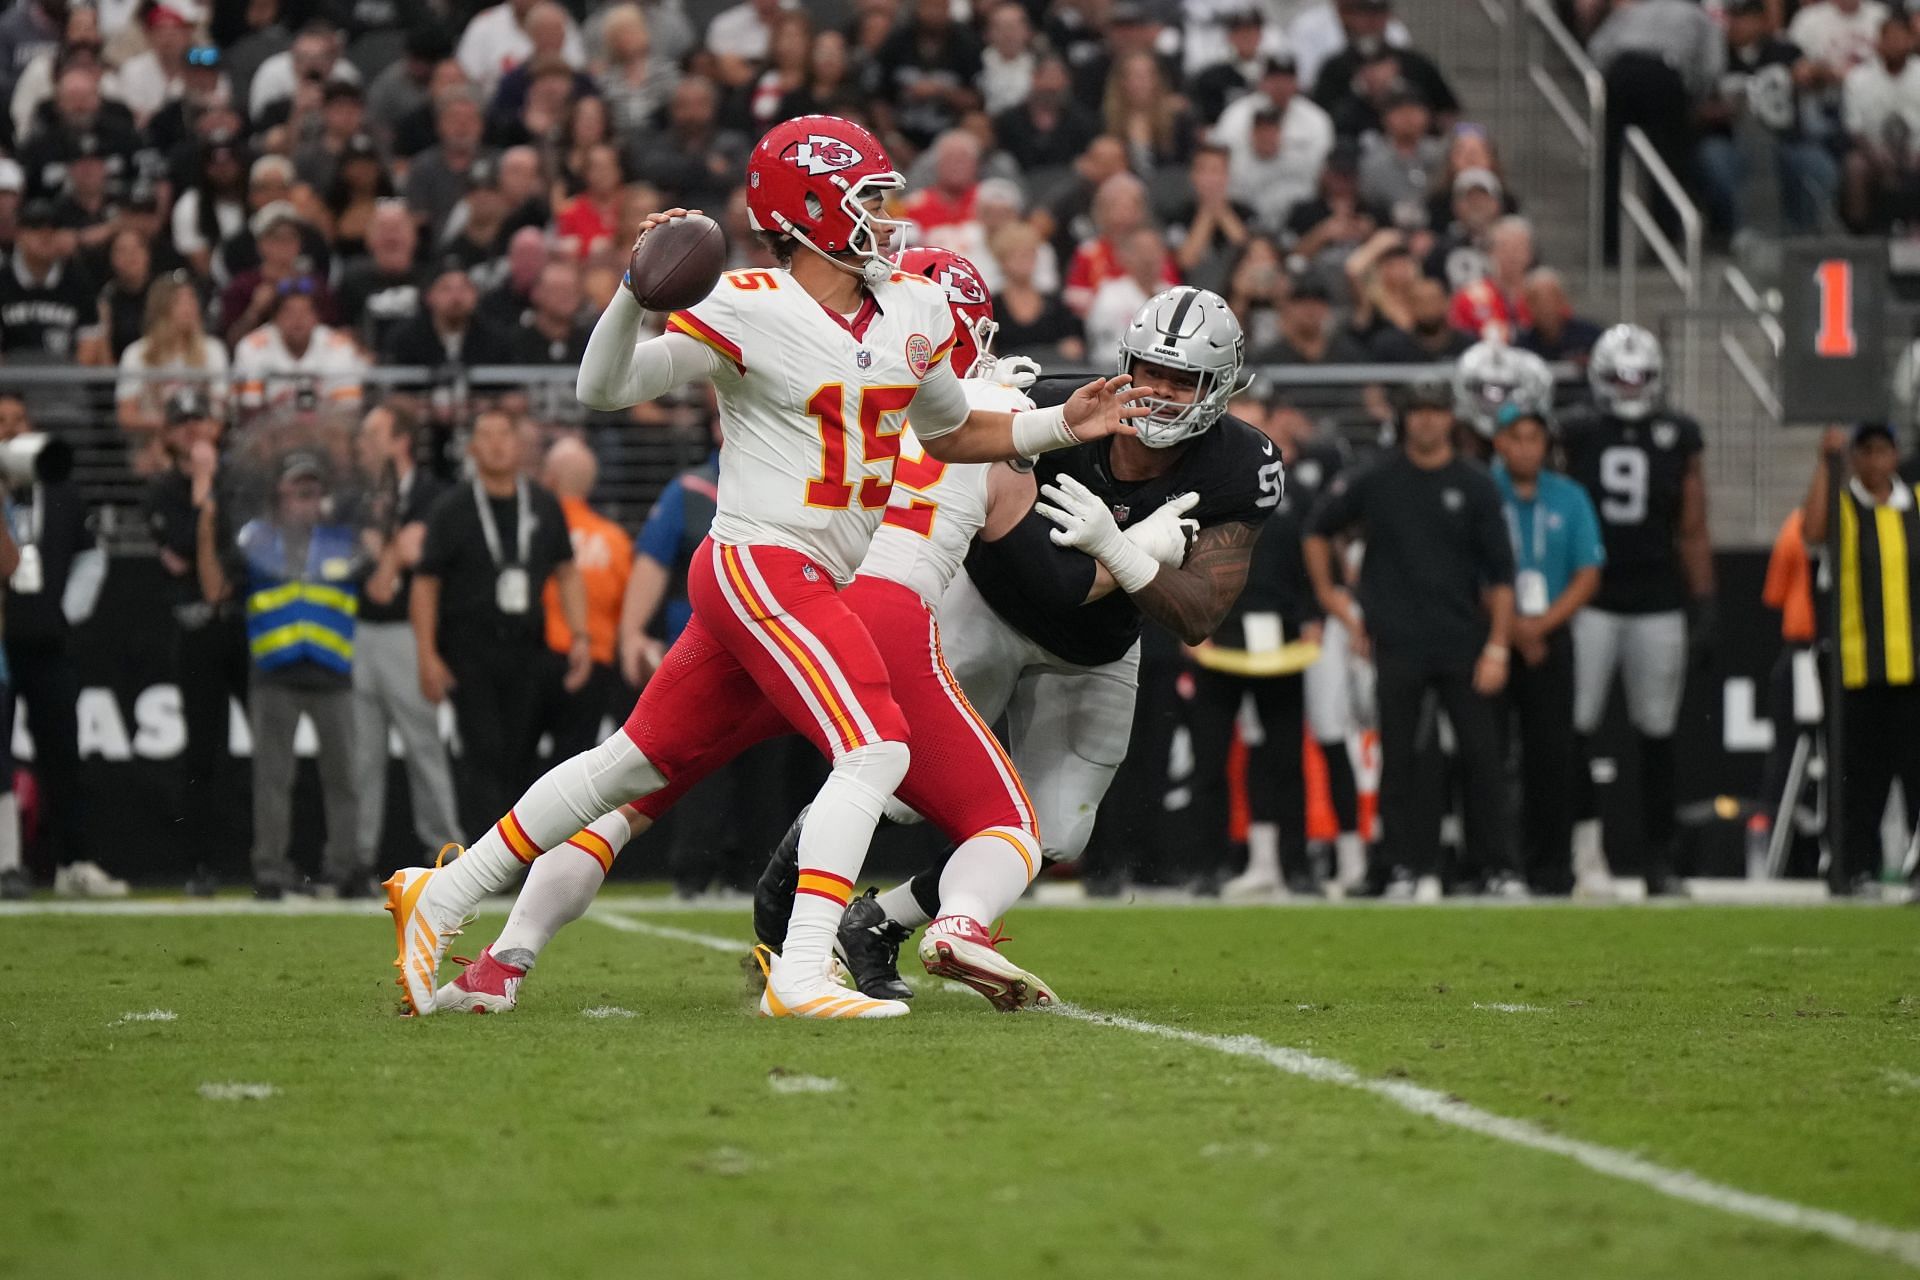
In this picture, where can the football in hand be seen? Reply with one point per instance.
(677, 263)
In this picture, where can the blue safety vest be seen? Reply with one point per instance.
(305, 619)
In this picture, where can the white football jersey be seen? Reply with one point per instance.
(813, 405)
(936, 506)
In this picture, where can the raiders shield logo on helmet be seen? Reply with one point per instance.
(818, 155)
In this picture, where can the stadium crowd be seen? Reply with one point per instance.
(296, 229)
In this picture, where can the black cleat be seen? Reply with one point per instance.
(773, 896)
(869, 944)
(14, 886)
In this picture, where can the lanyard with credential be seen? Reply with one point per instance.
(523, 533)
(1539, 533)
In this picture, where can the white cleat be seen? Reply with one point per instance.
(422, 929)
(959, 949)
(1427, 889)
(793, 993)
(1252, 885)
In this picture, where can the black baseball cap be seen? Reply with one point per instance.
(1747, 9)
(1426, 393)
(41, 212)
(1401, 94)
(188, 404)
(1308, 286)
(1865, 431)
(1281, 64)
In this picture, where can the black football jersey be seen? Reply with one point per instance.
(1635, 473)
(43, 323)
(1233, 467)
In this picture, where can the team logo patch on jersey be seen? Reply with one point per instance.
(919, 354)
(863, 358)
(1665, 435)
(820, 154)
(1452, 499)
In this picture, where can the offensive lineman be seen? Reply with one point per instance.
(960, 778)
(1022, 638)
(1640, 463)
(816, 365)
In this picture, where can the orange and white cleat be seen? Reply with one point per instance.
(422, 929)
(959, 948)
(793, 993)
(486, 985)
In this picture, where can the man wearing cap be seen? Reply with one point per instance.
(1436, 592)
(314, 58)
(295, 362)
(149, 80)
(1309, 336)
(1319, 31)
(1279, 138)
(210, 643)
(1460, 256)
(203, 87)
(1397, 163)
(1213, 87)
(77, 108)
(297, 572)
(1877, 579)
(1371, 61)
(279, 235)
(343, 116)
(1557, 553)
(48, 314)
(441, 175)
(447, 336)
(87, 208)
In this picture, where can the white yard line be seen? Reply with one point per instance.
(1678, 1184)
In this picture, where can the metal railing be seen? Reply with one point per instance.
(1683, 263)
(1587, 128)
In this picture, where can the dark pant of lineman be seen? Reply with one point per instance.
(1411, 833)
(1879, 743)
(212, 671)
(45, 680)
(497, 694)
(1542, 702)
(274, 708)
(575, 719)
(1276, 780)
(1642, 90)
(1128, 834)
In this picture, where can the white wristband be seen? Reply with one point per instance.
(1131, 567)
(1035, 431)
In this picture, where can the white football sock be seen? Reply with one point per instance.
(988, 873)
(902, 907)
(1350, 858)
(9, 832)
(833, 845)
(560, 888)
(1263, 852)
(572, 795)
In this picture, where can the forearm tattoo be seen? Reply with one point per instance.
(1193, 600)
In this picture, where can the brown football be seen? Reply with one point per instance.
(677, 263)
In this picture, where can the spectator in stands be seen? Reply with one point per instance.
(1338, 219)
(592, 218)
(315, 58)
(943, 212)
(547, 27)
(123, 299)
(1321, 30)
(215, 207)
(588, 126)
(1000, 202)
(929, 66)
(498, 40)
(603, 554)
(78, 111)
(504, 304)
(830, 88)
(1661, 59)
(446, 332)
(1144, 112)
(1838, 35)
(1460, 255)
(265, 37)
(1050, 128)
(632, 78)
(490, 548)
(1496, 303)
(1119, 210)
(203, 89)
(439, 176)
(404, 87)
(1882, 112)
(1397, 163)
(1468, 148)
(48, 314)
(278, 235)
(1557, 552)
(418, 130)
(1141, 257)
(343, 116)
(1555, 332)
(739, 37)
(386, 666)
(1380, 277)
(360, 183)
(1032, 320)
(174, 342)
(291, 565)
(1008, 59)
(1880, 529)
(381, 291)
(295, 362)
(1279, 139)
(1759, 98)
(786, 70)
(1254, 280)
(1214, 87)
(149, 80)
(553, 331)
(1207, 229)
(691, 160)
(270, 185)
(1310, 335)
(1353, 84)
(1430, 337)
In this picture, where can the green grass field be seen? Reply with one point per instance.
(1774, 1051)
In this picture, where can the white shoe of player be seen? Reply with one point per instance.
(1253, 883)
(1427, 889)
(960, 949)
(792, 993)
(422, 926)
(86, 880)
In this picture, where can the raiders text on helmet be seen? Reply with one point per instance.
(1192, 330)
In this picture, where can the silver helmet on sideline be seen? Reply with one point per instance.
(1192, 330)
(1624, 372)
(1493, 380)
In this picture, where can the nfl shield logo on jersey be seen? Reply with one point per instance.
(1121, 512)
(919, 354)
(1665, 435)
(808, 572)
(863, 358)
(1452, 499)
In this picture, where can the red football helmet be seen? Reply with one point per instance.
(967, 295)
(810, 177)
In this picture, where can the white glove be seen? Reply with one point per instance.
(1167, 535)
(1087, 524)
(1017, 372)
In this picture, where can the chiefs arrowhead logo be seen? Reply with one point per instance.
(962, 287)
(820, 154)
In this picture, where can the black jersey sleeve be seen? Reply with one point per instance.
(1240, 478)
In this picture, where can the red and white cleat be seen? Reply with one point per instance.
(960, 948)
(485, 986)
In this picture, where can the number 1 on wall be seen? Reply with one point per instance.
(1835, 338)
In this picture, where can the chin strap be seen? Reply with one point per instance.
(872, 271)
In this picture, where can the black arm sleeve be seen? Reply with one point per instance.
(1052, 578)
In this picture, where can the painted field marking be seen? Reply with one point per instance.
(235, 1091)
(1679, 1184)
(151, 1015)
(1509, 1008)
(608, 1011)
(787, 1082)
